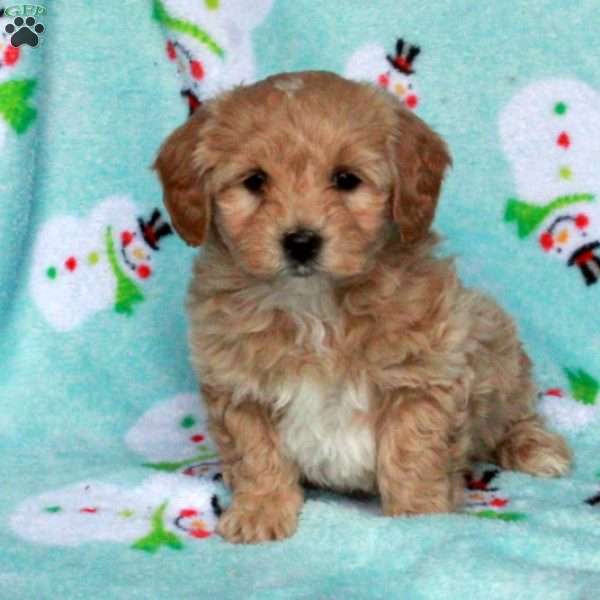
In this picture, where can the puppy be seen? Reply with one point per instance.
(333, 347)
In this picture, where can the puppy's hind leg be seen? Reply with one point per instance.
(529, 447)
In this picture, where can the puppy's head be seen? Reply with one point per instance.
(302, 174)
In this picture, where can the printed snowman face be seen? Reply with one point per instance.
(566, 234)
(401, 85)
(395, 73)
(198, 68)
(193, 522)
(483, 498)
(136, 254)
(480, 493)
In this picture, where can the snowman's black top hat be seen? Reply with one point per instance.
(403, 63)
(154, 229)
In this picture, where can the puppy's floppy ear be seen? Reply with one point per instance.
(182, 178)
(421, 158)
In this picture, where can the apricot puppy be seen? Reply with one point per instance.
(333, 347)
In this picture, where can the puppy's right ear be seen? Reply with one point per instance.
(181, 175)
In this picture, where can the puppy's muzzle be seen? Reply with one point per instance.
(301, 247)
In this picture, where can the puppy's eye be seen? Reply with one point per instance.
(255, 181)
(345, 181)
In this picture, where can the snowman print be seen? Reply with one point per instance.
(574, 238)
(180, 501)
(82, 266)
(164, 511)
(481, 494)
(550, 135)
(575, 408)
(394, 72)
(210, 43)
(483, 499)
(191, 70)
(192, 522)
(136, 247)
(173, 437)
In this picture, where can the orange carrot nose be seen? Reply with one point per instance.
(399, 89)
(562, 237)
(198, 524)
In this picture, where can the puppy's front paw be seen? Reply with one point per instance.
(261, 519)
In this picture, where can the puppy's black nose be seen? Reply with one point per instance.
(302, 245)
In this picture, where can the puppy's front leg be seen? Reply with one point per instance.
(419, 456)
(266, 492)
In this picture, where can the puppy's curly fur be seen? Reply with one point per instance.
(375, 371)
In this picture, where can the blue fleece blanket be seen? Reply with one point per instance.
(109, 482)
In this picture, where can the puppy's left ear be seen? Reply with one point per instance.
(421, 159)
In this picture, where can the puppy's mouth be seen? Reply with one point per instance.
(301, 270)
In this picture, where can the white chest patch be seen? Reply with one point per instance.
(322, 432)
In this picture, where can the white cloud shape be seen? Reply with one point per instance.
(175, 506)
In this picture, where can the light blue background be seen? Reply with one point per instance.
(106, 98)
